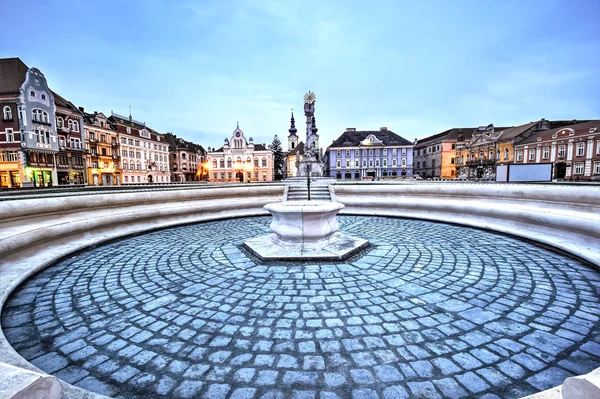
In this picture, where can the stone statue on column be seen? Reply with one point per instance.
(312, 162)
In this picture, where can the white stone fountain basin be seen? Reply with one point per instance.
(305, 230)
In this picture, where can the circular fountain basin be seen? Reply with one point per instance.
(305, 230)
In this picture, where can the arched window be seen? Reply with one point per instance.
(214, 163)
(75, 126)
(128, 130)
(256, 162)
(43, 97)
(70, 124)
(481, 157)
(60, 123)
(239, 160)
(264, 162)
(183, 155)
(229, 162)
(497, 154)
(32, 93)
(125, 165)
(7, 113)
(506, 153)
(248, 161)
(222, 164)
(139, 165)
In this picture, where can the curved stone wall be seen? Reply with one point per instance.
(37, 232)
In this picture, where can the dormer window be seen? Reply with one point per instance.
(144, 133)
(128, 130)
(43, 97)
(32, 93)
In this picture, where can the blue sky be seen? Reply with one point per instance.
(195, 68)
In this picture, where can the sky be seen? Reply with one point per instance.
(195, 68)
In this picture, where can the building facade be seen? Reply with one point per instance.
(187, 160)
(70, 164)
(103, 156)
(28, 138)
(382, 154)
(144, 152)
(478, 156)
(435, 156)
(574, 151)
(240, 160)
(295, 150)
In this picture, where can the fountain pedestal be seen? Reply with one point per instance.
(305, 230)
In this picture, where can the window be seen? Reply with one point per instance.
(370, 163)
(364, 152)
(520, 156)
(370, 152)
(229, 162)
(385, 163)
(432, 162)
(403, 151)
(357, 152)
(580, 149)
(364, 163)
(356, 163)
(128, 130)
(452, 160)
(264, 162)
(506, 153)
(561, 151)
(531, 155)
(10, 136)
(338, 163)
(598, 147)
(578, 168)
(498, 154)
(385, 151)
(347, 153)
(347, 163)
(394, 151)
(13, 156)
(424, 164)
(7, 113)
(338, 153)
(377, 163)
(75, 126)
(546, 153)
(597, 168)
(418, 164)
(490, 154)
(377, 152)
(222, 164)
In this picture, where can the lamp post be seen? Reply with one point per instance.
(308, 169)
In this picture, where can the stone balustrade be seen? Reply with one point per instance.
(36, 232)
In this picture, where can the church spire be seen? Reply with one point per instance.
(292, 129)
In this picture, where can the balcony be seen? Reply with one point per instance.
(64, 129)
(92, 141)
(481, 162)
(114, 143)
(116, 157)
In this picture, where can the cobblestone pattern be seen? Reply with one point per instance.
(432, 311)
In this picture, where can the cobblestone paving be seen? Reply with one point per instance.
(431, 311)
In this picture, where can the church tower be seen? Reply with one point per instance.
(292, 137)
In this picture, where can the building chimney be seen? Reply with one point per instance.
(415, 142)
(351, 129)
(81, 109)
(383, 129)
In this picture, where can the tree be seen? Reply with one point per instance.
(278, 159)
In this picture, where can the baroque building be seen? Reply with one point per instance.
(103, 157)
(435, 156)
(295, 150)
(488, 146)
(187, 160)
(370, 154)
(69, 122)
(28, 137)
(240, 160)
(144, 152)
(573, 151)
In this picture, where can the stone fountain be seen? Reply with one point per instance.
(305, 230)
